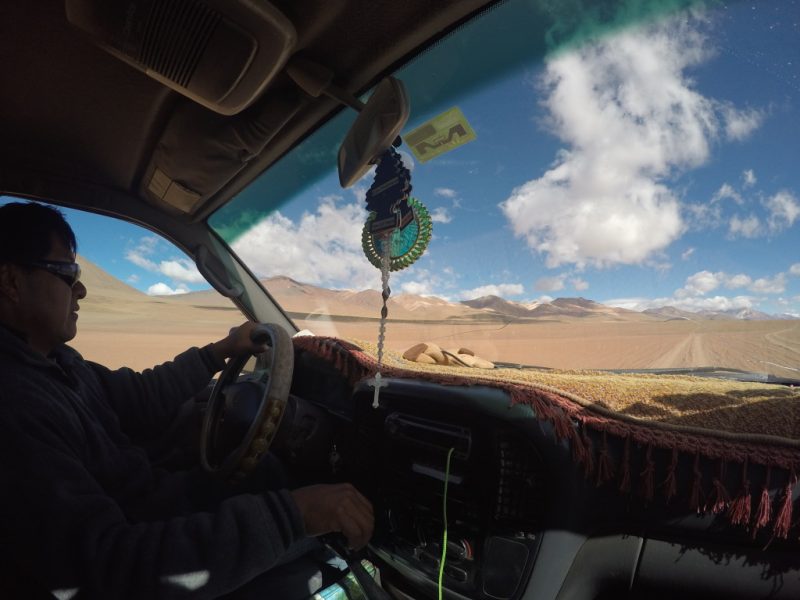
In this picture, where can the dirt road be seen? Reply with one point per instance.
(141, 336)
(760, 346)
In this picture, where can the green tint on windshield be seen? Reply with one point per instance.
(521, 34)
(630, 199)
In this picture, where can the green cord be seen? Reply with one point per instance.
(444, 517)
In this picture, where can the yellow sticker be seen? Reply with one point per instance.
(441, 134)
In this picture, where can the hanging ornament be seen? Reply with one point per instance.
(395, 235)
(394, 218)
(405, 245)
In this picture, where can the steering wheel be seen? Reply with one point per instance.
(243, 416)
(244, 413)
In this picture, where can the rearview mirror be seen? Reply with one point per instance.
(377, 126)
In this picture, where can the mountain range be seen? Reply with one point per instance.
(306, 299)
(303, 300)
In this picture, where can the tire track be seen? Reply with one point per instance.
(690, 351)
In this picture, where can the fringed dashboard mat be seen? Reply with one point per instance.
(728, 422)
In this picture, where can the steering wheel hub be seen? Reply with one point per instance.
(244, 412)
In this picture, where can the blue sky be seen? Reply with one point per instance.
(658, 166)
(654, 167)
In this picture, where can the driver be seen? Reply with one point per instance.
(83, 512)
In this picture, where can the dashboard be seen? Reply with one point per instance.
(495, 490)
(523, 520)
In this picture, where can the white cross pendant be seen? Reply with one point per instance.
(376, 383)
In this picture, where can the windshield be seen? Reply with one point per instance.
(630, 198)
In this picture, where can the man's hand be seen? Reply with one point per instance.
(337, 507)
(238, 342)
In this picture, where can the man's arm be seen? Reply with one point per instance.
(62, 521)
(147, 402)
(238, 342)
(66, 528)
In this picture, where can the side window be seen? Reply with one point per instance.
(146, 302)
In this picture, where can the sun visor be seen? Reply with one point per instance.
(219, 53)
(201, 151)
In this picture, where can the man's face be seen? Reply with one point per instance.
(48, 306)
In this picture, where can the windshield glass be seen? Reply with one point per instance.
(630, 200)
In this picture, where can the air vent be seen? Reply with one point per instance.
(175, 36)
(520, 483)
(220, 53)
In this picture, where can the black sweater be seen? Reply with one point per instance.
(81, 509)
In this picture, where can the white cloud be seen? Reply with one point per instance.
(687, 253)
(704, 282)
(632, 303)
(783, 211)
(549, 284)
(726, 191)
(769, 285)
(691, 304)
(795, 269)
(630, 117)
(440, 215)
(138, 258)
(162, 289)
(716, 303)
(322, 248)
(662, 266)
(148, 243)
(749, 227)
(133, 278)
(419, 288)
(738, 281)
(740, 123)
(181, 269)
(700, 283)
(145, 247)
(424, 282)
(445, 192)
(503, 290)
(703, 216)
(749, 178)
(579, 284)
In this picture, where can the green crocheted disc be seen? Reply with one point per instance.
(407, 244)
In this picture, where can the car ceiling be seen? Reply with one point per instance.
(85, 129)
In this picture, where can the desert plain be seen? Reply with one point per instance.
(121, 326)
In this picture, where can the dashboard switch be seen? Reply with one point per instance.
(456, 573)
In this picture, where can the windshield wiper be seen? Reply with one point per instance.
(511, 365)
(715, 372)
(718, 373)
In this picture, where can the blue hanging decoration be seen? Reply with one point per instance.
(395, 235)
(396, 219)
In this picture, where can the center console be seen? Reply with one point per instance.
(494, 495)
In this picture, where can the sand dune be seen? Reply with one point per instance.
(119, 325)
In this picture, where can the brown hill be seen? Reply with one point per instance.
(581, 308)
(304, 300)
(100, 283)
(671, 313)
(499, 305)
(114, 308)
(561, 308)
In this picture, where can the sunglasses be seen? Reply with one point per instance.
(68, 272)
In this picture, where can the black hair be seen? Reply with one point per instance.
(27, 228)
